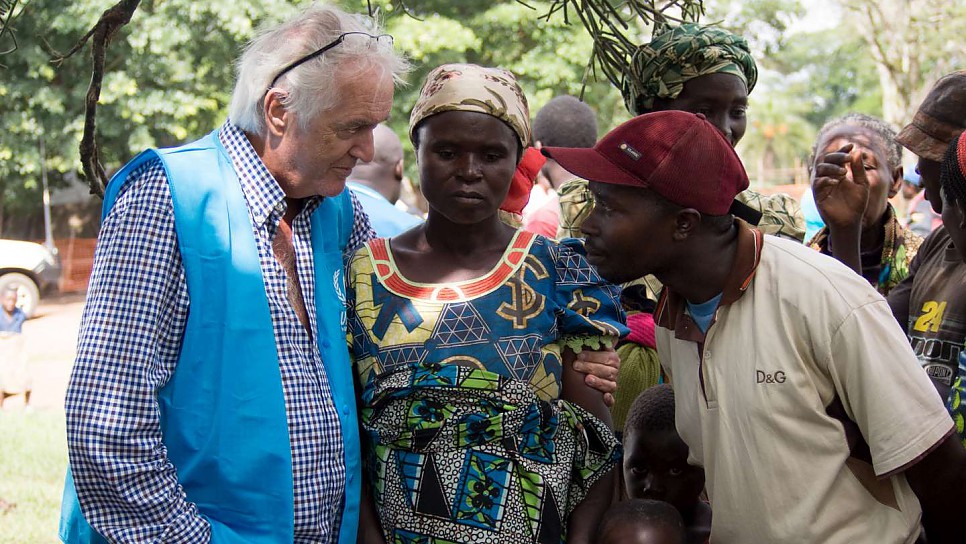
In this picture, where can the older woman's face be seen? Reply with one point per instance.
(466, 163)
(721, 98)
(883, 182)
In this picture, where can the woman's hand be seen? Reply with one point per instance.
(841, 192)
(841, 188)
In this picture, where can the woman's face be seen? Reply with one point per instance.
(466, 163)
(883, 182)
(721, 98)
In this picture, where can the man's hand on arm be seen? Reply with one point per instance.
(601, 368)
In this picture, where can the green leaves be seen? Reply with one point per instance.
(169, 76)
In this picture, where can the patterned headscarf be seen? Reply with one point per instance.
(468, 87)
(659, 69)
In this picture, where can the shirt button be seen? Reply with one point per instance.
(326, 344)
(345, 410)
(280, 207)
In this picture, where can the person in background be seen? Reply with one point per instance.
(862, 230)
(952, 179)
(377, 184)
(700, 69)
(640, 521)
(940, 118)
(234, 421)
(464, 331)
(526, 181)
(793, 387)
(14, 376)
(813, 219)
(920, 218)
(930, 304)
(564, 121)
(656, 462)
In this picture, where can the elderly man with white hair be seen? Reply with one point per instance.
(212, 395)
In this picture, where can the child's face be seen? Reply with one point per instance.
(656, 467)
(9, 301)
(641, 532)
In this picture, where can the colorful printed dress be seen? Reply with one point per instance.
(468, 439)
(883, 271)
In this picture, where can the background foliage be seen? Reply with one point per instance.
(170, 71)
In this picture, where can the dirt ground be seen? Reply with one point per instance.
(51, 342)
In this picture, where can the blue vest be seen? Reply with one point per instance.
(223, 417)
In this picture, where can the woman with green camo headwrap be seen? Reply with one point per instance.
(700, 69)
(660, 69)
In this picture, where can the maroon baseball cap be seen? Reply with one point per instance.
(677, 154)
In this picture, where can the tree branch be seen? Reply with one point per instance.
(101, 35)
(7, 7)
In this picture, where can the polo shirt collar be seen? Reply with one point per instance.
(670, 312)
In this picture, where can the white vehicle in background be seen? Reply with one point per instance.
(31, 269)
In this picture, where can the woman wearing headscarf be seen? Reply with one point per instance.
(700, 69)
(463, 333)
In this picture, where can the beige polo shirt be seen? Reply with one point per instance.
(800, 348)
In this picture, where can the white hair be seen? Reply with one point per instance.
(308, 88)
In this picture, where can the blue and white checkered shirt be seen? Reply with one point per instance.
(130, 340)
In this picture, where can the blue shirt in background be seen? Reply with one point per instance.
(12, 323)
(386, 219)
(813, 221)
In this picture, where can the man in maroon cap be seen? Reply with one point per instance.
(794, 388)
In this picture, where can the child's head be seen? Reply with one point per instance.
(9, 299)
(639, 521)
(655, 458)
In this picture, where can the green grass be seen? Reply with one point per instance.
(33, 458)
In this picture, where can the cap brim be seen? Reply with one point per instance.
(589, 164)
(922, 144)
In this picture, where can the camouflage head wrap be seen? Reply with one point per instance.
(659, 69)
(468, 87)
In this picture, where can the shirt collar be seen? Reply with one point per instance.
(265, 197)
(670, 312)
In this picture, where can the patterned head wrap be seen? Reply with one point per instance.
(468, 87)
(659, 69)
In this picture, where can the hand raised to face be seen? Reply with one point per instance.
(841, 187)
